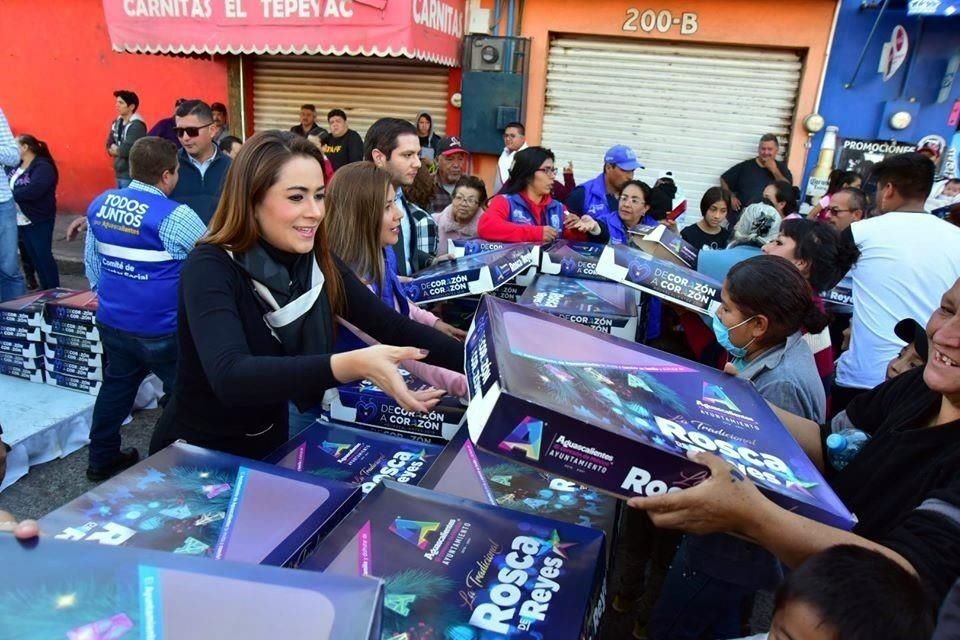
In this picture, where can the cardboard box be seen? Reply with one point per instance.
(17, 360)
(20, 371)
(28, 310)
(621, 416)
(465, 471)
(73, 369)
(572, 259)
(79, 307)
(59, 590)
(664, 244)
(21, 332)
(472, 274)
(21, 348)
(66, 354)
(671, 282)
(607, 307)
(511, 292)
(74, 342)
(195, 501)
(456, 568)
(64, 327)
(345, 453)
(64, 381)
(364, 403)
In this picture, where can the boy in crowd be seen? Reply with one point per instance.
(914, 353)
(850, 593)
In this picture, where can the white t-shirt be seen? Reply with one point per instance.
(908, 261)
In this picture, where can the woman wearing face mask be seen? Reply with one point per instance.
(903, 484)
(766, 302)
(364, 224)
(524, 211)
(259, 297)
(458, 221)
(633, 210)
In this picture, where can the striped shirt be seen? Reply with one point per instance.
(9, 155)
(179, 232)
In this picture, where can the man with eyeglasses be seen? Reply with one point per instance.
(452, 161)
(203, 165)
(514, 139)
(846, 207)
(599, 198)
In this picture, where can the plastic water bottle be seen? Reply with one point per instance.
(844, 446)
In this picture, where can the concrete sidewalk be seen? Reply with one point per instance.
(69, 255)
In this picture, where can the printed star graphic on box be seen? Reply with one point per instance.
(560, 548)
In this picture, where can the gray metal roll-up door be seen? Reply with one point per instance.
(365, 88)
(691, 109)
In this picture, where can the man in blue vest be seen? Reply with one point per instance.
(137, 241)
(598, 198)
(203, 166)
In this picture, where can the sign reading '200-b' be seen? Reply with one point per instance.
(650, 20)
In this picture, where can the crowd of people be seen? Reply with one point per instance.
(253, 276)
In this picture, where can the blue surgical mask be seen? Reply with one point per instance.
(722, 332)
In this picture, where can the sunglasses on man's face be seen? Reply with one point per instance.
(192, 132)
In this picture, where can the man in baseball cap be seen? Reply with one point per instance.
(452, 162)
(599, 197)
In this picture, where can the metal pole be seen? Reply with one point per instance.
(863, 53)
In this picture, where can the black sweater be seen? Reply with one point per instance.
(903, 466)
(233, 379)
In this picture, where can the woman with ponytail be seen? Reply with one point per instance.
(34, 186)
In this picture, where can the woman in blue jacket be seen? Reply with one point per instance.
(34, 186)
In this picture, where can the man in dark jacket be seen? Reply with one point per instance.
(203, 165)
(124, 131)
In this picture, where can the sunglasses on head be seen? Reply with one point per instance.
(192, 132)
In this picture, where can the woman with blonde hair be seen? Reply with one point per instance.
(364, 224)
(259, 297)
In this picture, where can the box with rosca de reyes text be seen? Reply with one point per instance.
(346, 453)
(207, 503)
(72, 591)
(607, 307)
(621, 417)
(455, 568)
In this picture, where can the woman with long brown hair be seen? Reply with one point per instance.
(258, 301)
(364, 224)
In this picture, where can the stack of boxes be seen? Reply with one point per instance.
(21, 334)
(72, 348)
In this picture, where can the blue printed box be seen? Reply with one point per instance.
(472, 274)
(17, 360)
(56, 590)
(77, 343)
(460, 248)
(607, 307)
(80, 307)
(671, 282)
(455, 568)
(194, 501)
(74, 369)
(78, 356)
(364, 403)
(345, 453)
(572, 259)
(621, 417)
(73, 383)
(21, 333)
(22, 372)
(28, 310)
(465, 471)
(21, 348)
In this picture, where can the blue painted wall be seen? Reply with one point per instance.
(858, 111)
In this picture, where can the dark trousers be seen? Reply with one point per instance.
(37, 239)
(129, 359)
